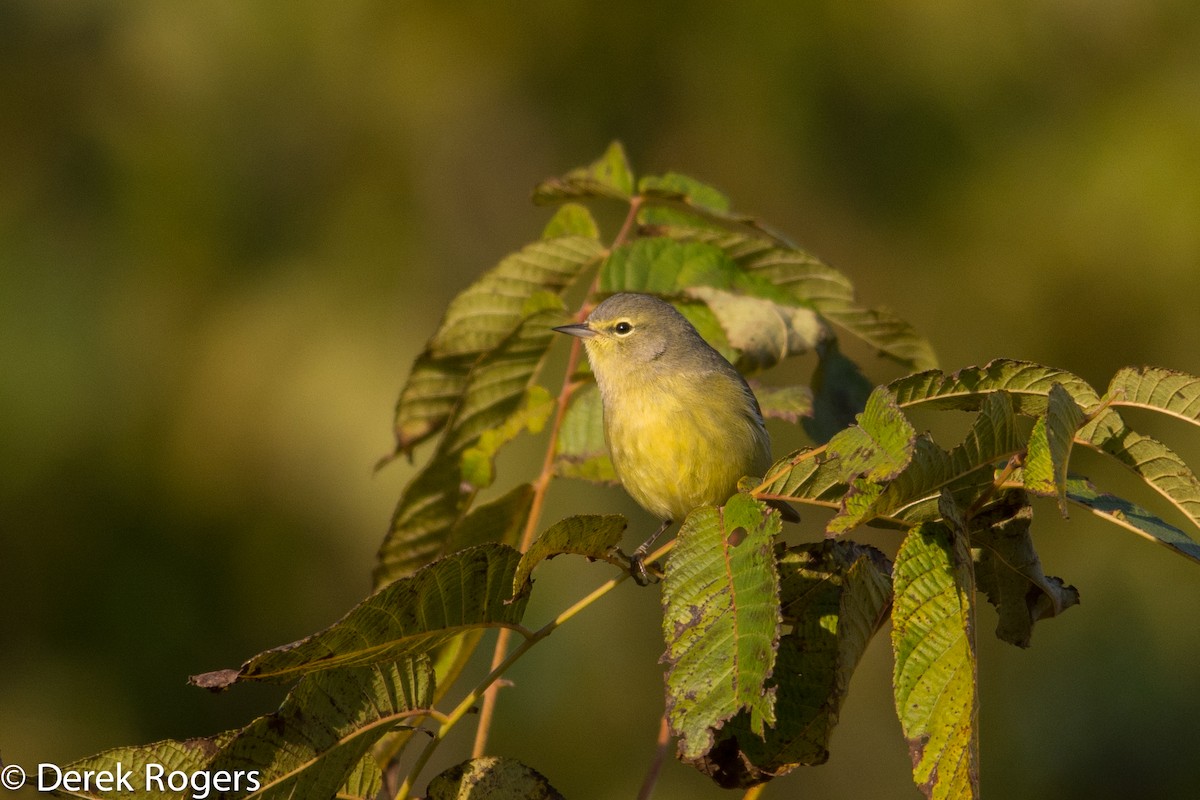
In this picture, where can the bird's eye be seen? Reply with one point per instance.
(623, 328)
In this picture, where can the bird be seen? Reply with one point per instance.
(681, 423)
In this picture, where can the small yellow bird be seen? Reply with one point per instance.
(682, 425)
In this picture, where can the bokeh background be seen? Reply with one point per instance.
(226, 229)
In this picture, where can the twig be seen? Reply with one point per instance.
(542, 483)
(660, 755)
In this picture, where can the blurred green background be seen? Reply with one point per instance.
(227, 228)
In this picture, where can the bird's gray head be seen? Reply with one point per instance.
(631, 329)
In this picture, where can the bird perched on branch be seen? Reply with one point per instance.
(681, 423)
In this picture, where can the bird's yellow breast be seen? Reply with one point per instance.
(678, 442)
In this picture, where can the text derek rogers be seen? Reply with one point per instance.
(151, 778)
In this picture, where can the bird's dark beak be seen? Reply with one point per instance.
(579, 329)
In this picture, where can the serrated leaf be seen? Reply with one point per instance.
(325, 727)
(593, 535)
(478, 460)
(829, 292)
(571, 219)
(834, 596)
(992, 438)
(1009, 572)
(580, 451)
(721, 621)
(477, 321)
(801, 475)
(491, 778)
(762, 331)
(1027, 383)
(790, 403)
(608, 176)
(1131, 516)
(1049, 447)
(501, 520)
(697, 200)
(413, 615)
(364, 781)
(840, 392)
(935, 674)
(434, 502)
(1155, 463)
(1157, 389)
(879, 445)
(187, 756)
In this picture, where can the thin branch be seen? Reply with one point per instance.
(660, 755)
(542, 483)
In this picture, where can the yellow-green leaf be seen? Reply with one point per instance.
(580, 451)
(933, 643)
(571, 219)
(411, 616)
(592, 535)
(721, 621)
(1050, 446)
(1157, 389)
(608, 176)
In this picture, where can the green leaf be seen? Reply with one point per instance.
(1131, 516)
(364, 782)
(762, 331)
(933, 643)
(434, 502)
(478, 460)
(964, 471)
(580, 451)
(502, 520)
(1050, 446)
(840, 392)
(1009, 572)
(829, 292)
(1027, 383)
(664, 267)
(592, 535)
(571, 219)
(608, 176)
(802, 475)
(491, 778)
(834, 597)
(1157, 389)
(879, 445)
(413, 615)
(721, 621)
(188, 756)
(790, 403)
(1154, 462)
(696, 198)
(319, 737)
(480, 319)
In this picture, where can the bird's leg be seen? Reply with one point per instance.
(637, 566)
